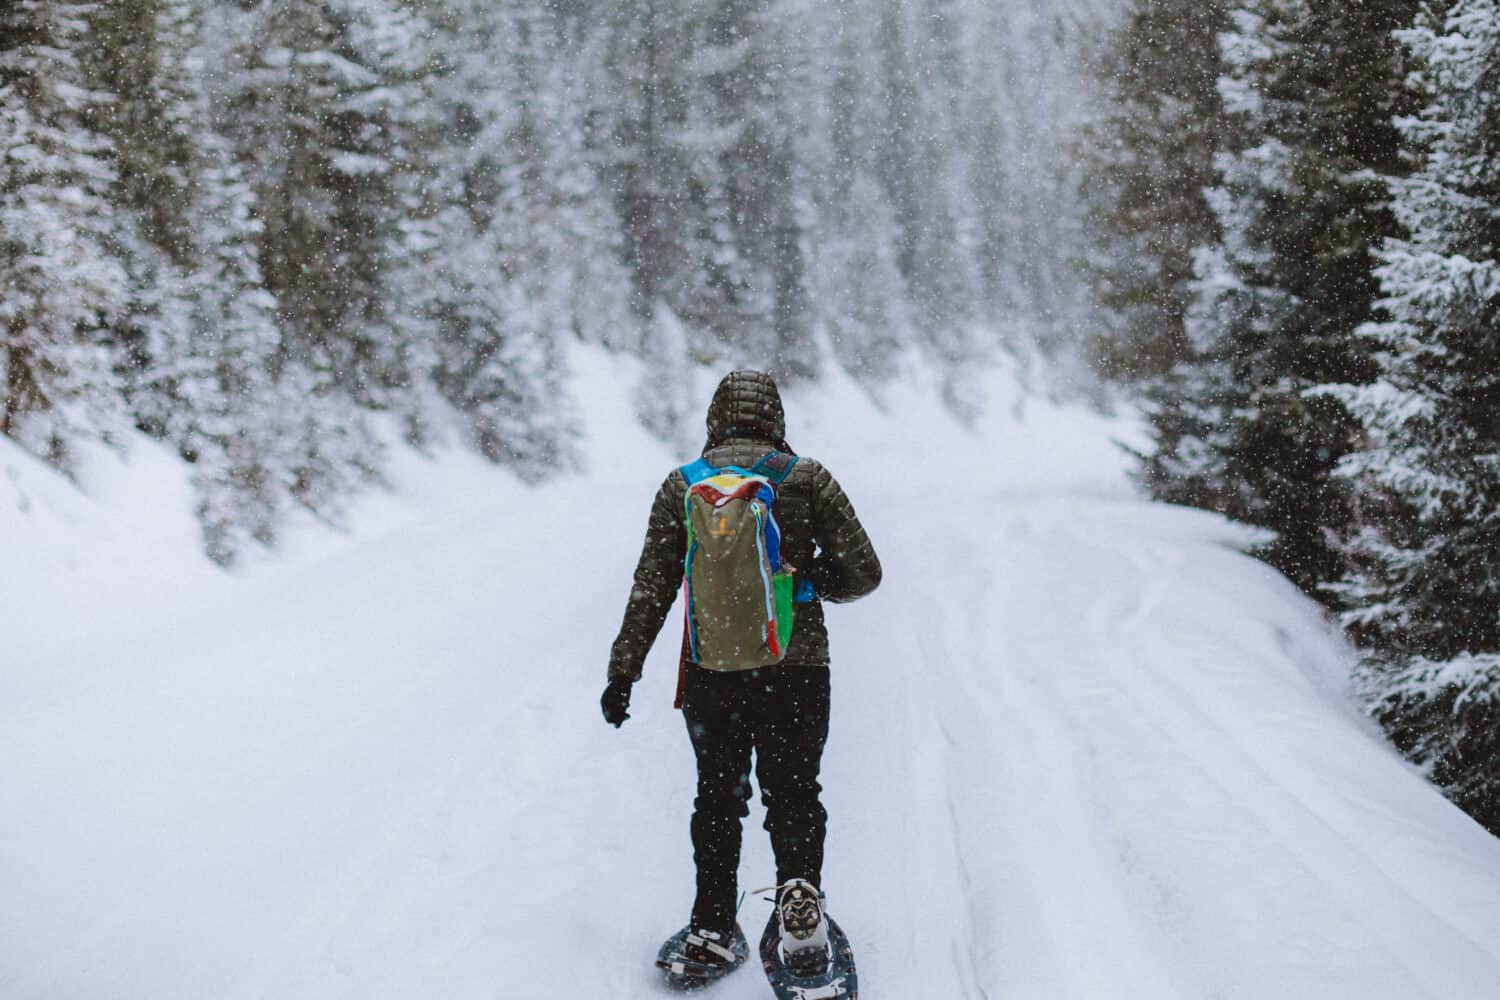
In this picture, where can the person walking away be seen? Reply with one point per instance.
(778, 709)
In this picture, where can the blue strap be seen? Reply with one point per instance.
(696, 472)
(776, 467)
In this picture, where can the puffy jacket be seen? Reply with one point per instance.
(820, 535)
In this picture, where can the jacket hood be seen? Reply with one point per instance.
(747, 404)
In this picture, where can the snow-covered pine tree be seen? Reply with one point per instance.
(1425, 589)
(697, 148)
(323, 103)
(890, 172)
(139, 54)
(1310, 89)
(1150, 158)
(643, 46)
(856, 290)
(938, 186)
(989, 50)
(319, 119)
(526, 245)
(899, 174)
(62, 279)
(745, 67)
(228, 399)
(918, 159)
(201, 366)
(242, 403)
(580, 276)
(402, 126)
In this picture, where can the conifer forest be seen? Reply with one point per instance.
(283, 237)
(1296, 262)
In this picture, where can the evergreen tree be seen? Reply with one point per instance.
(577, 275)
(320, 118)
(524, 250)
(857, 293)
(199, 359)
(698, 152)
(1150, 160)
(1011, 75)
(239, 404)
(140, 56)
(1425, 592)
(646, 43)
(59, 269)
(249, 228)
(323, 105)
(901, 170)
(233, 403)
(915, 142)
(741, 76)
(139, 53)
(883, 175)
(1311, 90)
(1007, 240)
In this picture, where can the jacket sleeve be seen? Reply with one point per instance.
(657, 576)
(846, 567)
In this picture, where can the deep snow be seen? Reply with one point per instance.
(1081, 747)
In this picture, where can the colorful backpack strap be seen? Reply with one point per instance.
(696, 472)
(776, 466)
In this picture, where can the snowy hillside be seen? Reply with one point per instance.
(1081, 747)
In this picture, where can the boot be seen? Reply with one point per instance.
(800, 907)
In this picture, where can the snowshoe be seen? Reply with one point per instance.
(805, 954)
(693, 958)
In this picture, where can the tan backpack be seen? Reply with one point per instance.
(739, 594)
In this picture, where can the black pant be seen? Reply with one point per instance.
(782, 713)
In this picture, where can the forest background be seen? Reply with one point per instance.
(287, 237)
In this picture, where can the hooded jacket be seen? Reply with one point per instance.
(820, 535)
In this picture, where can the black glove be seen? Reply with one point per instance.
(824, 577)
(616, 701)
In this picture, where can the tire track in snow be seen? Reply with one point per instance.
(938, 657)
(1005, 809)
(1104, 940)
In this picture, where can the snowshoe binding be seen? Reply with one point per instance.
(804, 928)
(804, 952)
(693, 958)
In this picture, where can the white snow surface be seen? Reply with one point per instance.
(1081, 746)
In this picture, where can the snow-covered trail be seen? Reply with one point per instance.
(1080, 748)
(1127, 777)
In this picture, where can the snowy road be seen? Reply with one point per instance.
(1081, 748)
